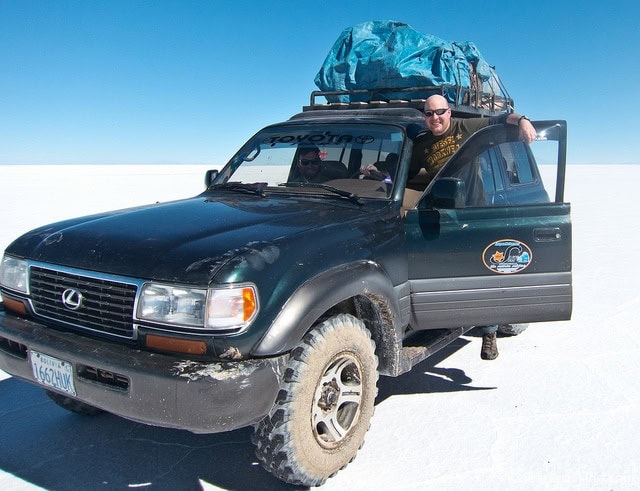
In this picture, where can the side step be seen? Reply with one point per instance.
(422, 344)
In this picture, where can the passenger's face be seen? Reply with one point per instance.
(437, 123)
(309, 164)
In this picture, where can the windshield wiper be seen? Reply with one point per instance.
(354, 198)
(254, 187)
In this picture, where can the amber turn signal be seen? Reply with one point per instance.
(14, 306)
(176, 345)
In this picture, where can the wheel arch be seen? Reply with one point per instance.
(362, 289)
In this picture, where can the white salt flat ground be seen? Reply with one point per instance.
(559, 408)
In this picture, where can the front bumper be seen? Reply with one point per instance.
(148, 387)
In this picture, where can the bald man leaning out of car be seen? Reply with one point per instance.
(433, 148)
(445, 134)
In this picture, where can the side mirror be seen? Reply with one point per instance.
(449, 192)
(209, 177)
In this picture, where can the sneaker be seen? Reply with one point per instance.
(489, 349)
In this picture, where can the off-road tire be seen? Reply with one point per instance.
(73, 405)
(324, 406)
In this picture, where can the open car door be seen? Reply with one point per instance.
(490, 240)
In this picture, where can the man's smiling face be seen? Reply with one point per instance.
(437, 114)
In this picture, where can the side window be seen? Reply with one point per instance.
(497, 174)
(494, 168)
(488, 180)
(516, 162)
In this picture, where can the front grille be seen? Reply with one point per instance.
(106, 307)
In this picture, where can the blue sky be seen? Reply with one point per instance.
(126, 81)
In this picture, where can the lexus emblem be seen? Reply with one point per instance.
(72, 299)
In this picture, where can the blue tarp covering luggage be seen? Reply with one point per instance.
(389, 54)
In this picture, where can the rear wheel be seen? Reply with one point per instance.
(325, 404)
(73, 405)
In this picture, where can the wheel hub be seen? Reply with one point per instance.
(329, 395)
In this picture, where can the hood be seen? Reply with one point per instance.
(181, 241)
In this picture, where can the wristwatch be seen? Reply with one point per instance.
(521, 118)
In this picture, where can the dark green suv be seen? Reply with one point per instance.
(274, 299)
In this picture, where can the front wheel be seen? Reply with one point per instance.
(324, 406)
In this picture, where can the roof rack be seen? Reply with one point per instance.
(470, 102)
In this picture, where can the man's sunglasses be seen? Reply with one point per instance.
(437, 112)
(310, 162)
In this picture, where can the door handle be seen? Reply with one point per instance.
(549, 234)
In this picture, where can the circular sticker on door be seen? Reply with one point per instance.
(507, 256)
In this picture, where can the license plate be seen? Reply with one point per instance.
(53, 372)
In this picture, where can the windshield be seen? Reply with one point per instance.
(297, 158)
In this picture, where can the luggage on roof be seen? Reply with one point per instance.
(379, 57)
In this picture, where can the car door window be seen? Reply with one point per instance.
(516, 162)
(494, 168)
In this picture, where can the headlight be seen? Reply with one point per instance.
(13, 274)
(215, 308)
(172, 305)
